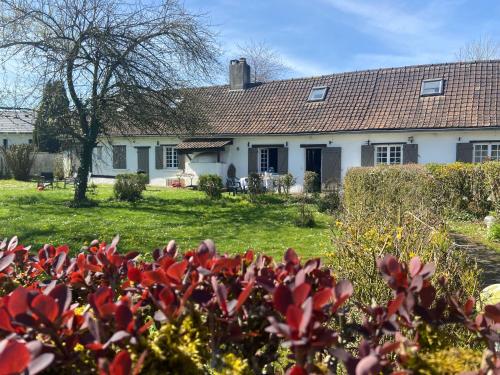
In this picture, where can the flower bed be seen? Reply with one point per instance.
(201, 312)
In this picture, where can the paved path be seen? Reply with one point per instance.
(487, 259)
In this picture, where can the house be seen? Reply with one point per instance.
(16, 127)
(416, 114)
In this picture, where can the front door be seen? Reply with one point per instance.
(143, 160)
(313, 161)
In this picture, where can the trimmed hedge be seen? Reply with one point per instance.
(452, 188)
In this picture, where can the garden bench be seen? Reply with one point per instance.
(46, 179)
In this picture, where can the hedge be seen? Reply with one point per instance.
(200, 312)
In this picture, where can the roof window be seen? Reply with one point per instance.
(432, 87)
(317, 94)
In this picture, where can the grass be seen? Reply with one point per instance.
(476, 231)
(164, 214)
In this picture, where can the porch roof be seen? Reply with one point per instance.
(188, 145)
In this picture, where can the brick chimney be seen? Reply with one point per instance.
(239, 74)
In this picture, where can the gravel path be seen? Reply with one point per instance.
(487, 259)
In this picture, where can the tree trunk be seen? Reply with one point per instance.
(82, 175)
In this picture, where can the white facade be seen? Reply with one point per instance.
(9, 139)
(437, 146)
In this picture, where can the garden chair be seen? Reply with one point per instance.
(233, 185)
(46, 180)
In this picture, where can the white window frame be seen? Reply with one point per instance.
(491, 148)
(263, 160)
(389, 148)
(426, 81)
(170, 157)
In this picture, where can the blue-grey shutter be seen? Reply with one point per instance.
(464, 152)
(252, 160)
(159, 157)
(331, 168)
(283, 160)
(367, 155)
(410, 153)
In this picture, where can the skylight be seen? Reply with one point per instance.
(432, 87)
(317, 94)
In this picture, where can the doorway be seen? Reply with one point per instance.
(143, 160)
(313, 161)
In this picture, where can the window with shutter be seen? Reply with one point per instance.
(171, 157)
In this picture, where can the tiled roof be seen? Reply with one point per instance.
(379, 99)
(203, 144)
(16, 121)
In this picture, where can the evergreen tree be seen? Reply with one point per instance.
(52, 117)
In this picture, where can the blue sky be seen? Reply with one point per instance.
(326, 36)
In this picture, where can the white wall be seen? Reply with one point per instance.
(433, 146)
(12, 139)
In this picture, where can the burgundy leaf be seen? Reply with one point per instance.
(220, 293)
(40, 363)
(291, 257)
(395, 304)
(46, 307)
(296, 370)
(415, 266)
(306, 317)
(14, 357)
(6, 261)
(123, 316)
(62, 294)
(121, 365)
(300, 293)
(282, 298)
(493, 312)
(322, 298)
(294, 317)
(244, 295)
(369, 365)
(176, 270)
(428, 270)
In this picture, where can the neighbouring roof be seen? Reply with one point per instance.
(203, 144)
(16, 121)
(381, 99)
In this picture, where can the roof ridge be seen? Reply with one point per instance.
(372, 70)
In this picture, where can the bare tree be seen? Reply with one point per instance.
(265, 63)
(124, 64)
(483, 48)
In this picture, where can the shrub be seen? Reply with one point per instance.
(19, 160)
(254, 186)
(284, 183)
(386, 193)
(110, 313)
(211, 185)
(311, 182)
(473, 188)
(305, 216)
(329, 201)
(494, 232)
(59, 167)
(129, 186)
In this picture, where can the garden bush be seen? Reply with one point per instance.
(211, 185)
(19, 160)
(255, 187)
(282, 184)
(200, 312)
(129, 186)
(466, 187)
(311, 182)
(305, 215)
(494, 232)
(328, 201)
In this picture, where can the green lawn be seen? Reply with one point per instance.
(186, 216)
(476, 231)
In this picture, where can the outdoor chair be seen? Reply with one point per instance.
(45, 180)
(233, 185)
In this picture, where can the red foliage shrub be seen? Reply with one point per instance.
(52, 305)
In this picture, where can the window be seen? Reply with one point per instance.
(5, 143)
(388, 154)
(170, 157)
(268, 160)
(486, 151)
(318, 94)
(120, 157)
(431, 87)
